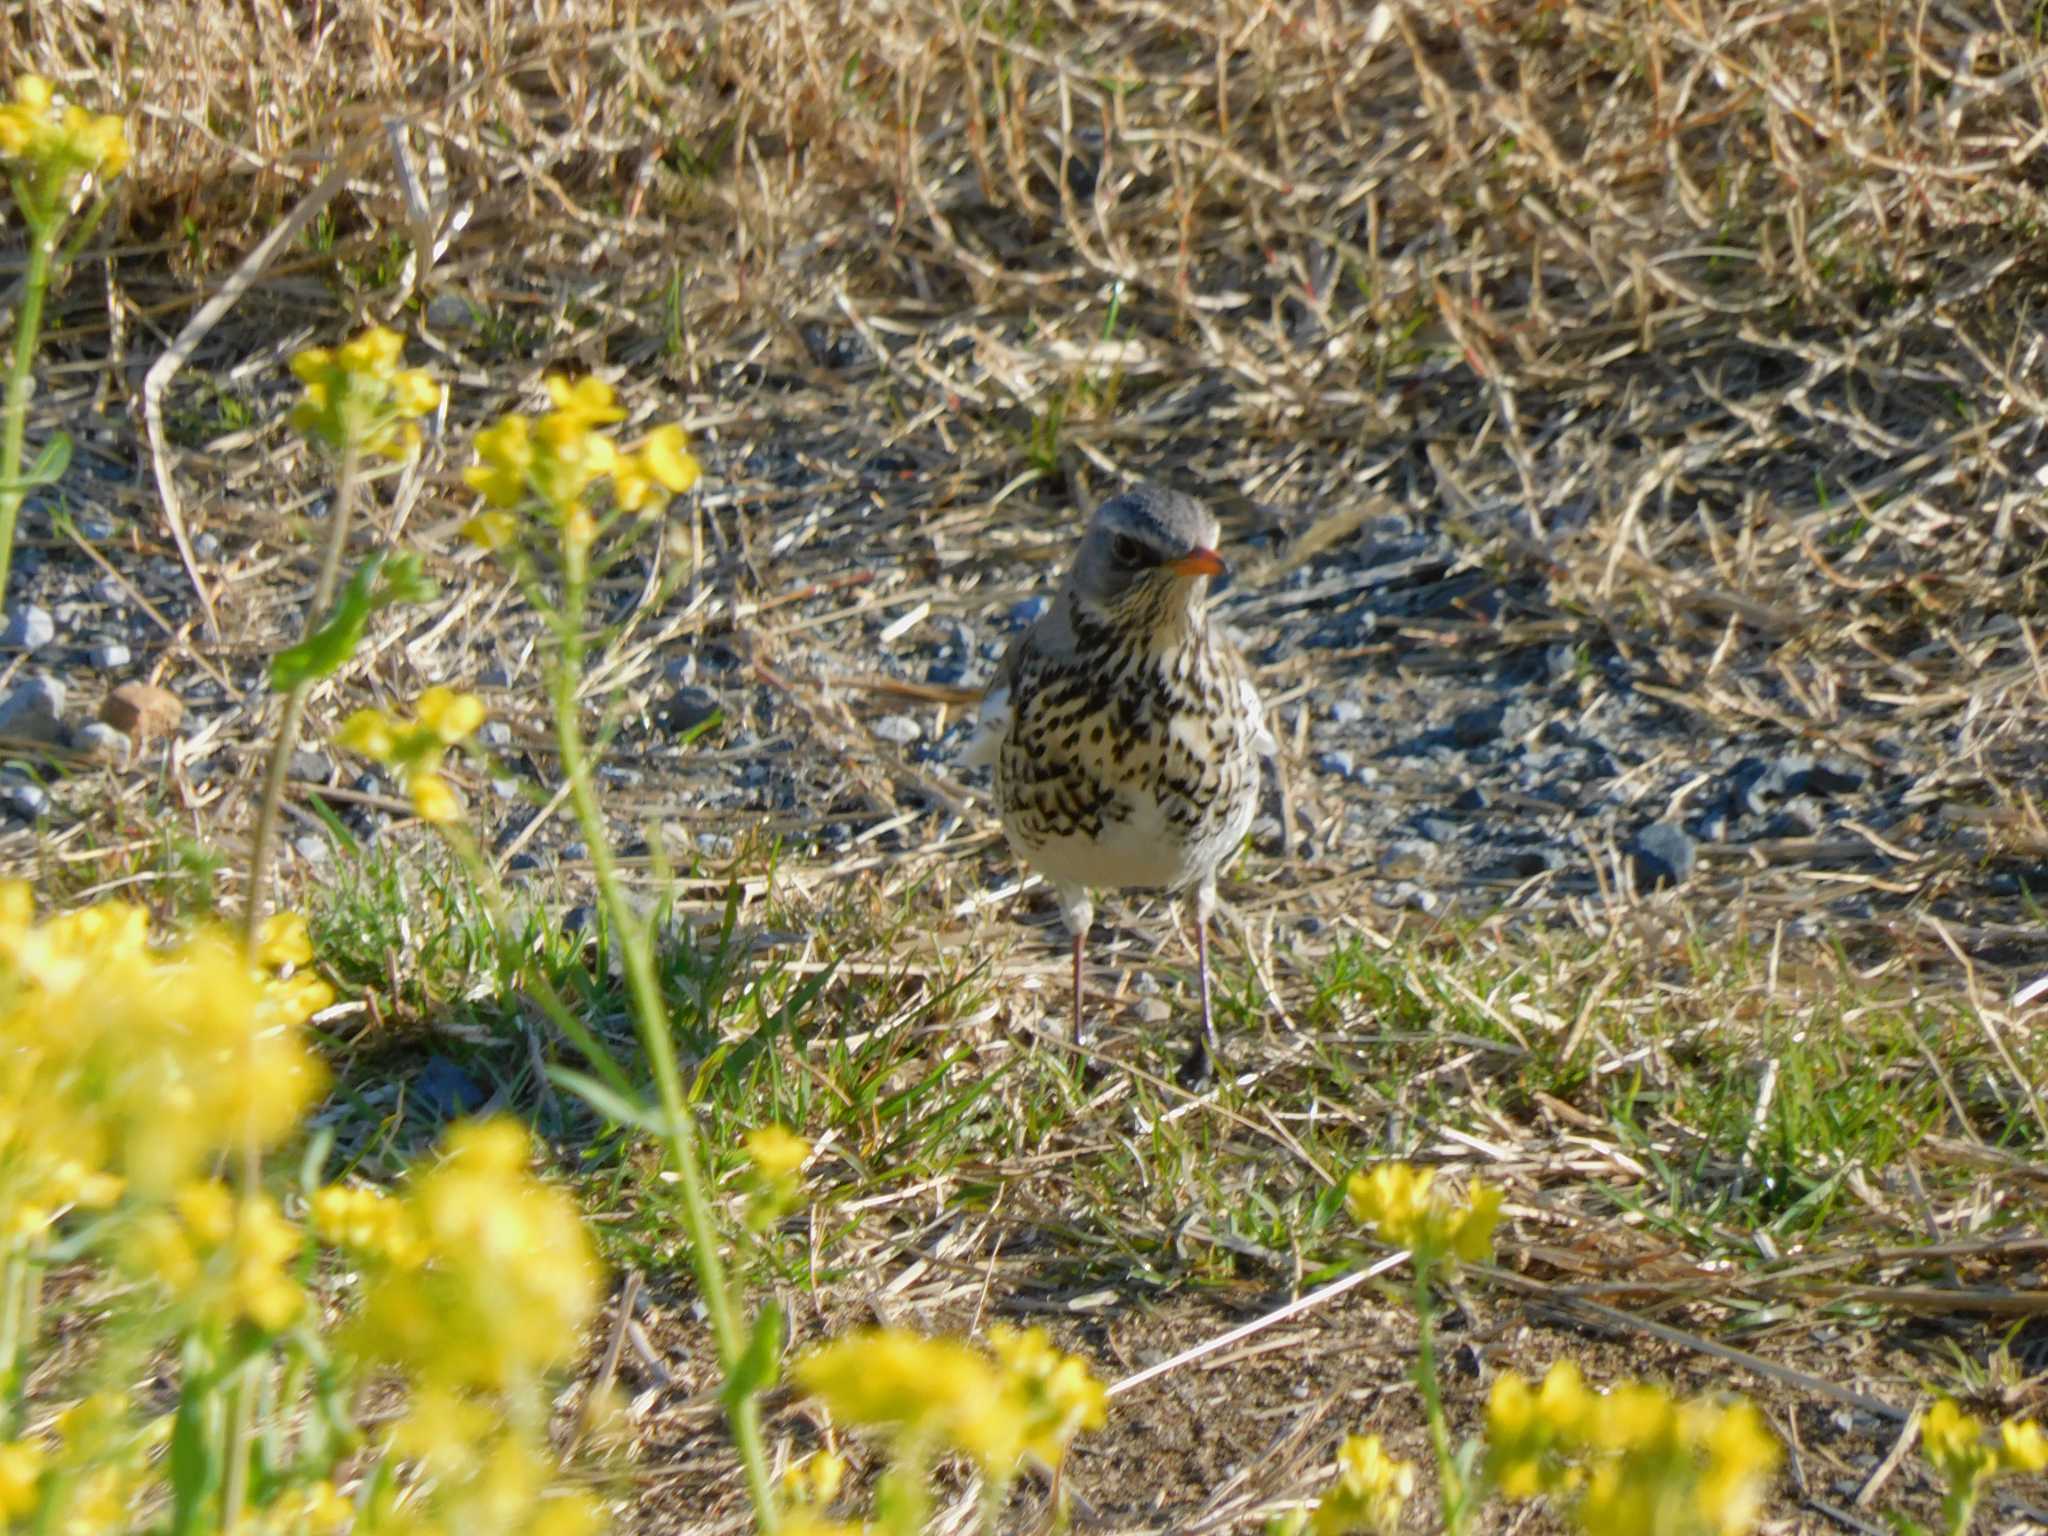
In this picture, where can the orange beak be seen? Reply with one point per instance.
(1198, 562)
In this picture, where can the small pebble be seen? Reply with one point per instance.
(312, 847)
(494, 677)
(1407, 856)
(1346, 712)
(1437, 829)
(452, 312)
(1028, 611)
(94, 525)
(33, 710)
(143, 711)
(689, 709)
(1337, 763)
(28, 628)
(1153, 1010)
(1473, 799)
(494, 733)
(312, 767)
(946, 674)
(206, 547)
(101, 742)
(1664, 855)
(900, 730)
(109, 656)
(27, 801)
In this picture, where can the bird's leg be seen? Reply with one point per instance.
(1080, 941)
(1205, 901)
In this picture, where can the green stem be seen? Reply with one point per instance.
(11, 1342)
(1450, 1483)
(28, 325)
(287, 739)
(651, 1013)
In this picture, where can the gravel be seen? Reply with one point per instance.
(28, 628)
(34, 710)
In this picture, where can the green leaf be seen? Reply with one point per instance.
(614, 1106)
(328, 648)
(51, 463)
(761, 1363)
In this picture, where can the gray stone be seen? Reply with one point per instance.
(494, 733)
(1338, 763)
(101, 742)
(452, 312)
(311, 767)
(109, 655)
(33, 710)
(1346, 712)
(28, 628)
(900, 730)
(689, 709)
(1406, 857)
(28, 801)
(1664, 855)
(1153, 1010)
(94, 525)
(1437, 829)
(312, 847)
(1029, 611)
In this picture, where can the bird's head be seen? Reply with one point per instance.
(1145, 558)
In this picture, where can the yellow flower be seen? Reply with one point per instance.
(582, 403)
(665, 454)
(21, 1473)
(1404, 1206)
(369, 732)
(433, 801)
(508, 1277)
(2022, 1447)
(491, 530)
(815, 1479)
(131, 1064)
(222, 1258)
(1634, 1461)
(357, 396)
(56, 147)
(283, 941)
(924, 1390)
(1370, 1490)
(1953, 1441)
(662, 466)
(450, 715)
(1058, 1394)
(505, 450)
(1029, 1402)
(776, 1150)
(443, 718)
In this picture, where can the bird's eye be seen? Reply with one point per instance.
(1127, 550)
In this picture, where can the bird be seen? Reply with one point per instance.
(1122, 726)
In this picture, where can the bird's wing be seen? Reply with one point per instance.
(992, 724)
(1262, 737)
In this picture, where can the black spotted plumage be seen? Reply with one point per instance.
(1122, 727)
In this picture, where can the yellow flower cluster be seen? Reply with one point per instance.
(777, 1155)
(1404, 1206)
(1955, 1445)
(481, 1276)
(442, 718)
(57, 145)
(131, 1064)
(1634, 1461)
(357, 396)
(1370, 1490)
(485, 1475)
(1028, 1402)
(557, 458)
(225, 1260)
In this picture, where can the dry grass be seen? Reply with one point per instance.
(1713, 329)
